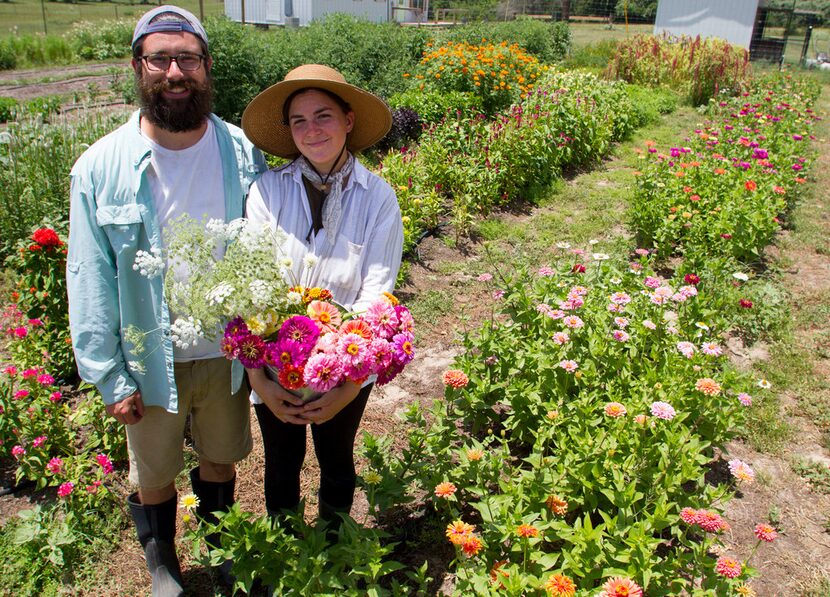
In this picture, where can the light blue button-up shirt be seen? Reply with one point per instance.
(112, 216)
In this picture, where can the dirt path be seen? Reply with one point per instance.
(64, 81)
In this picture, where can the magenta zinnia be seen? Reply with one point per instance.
(251, 351)
(301, 330)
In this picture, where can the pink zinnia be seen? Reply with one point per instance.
(728, 567)
(711, 522)
(322, 372)
(765, 532)
(55, 466)
(569, 366)
(687, 349)
(105, 463)
(573, 322)
(18, 451)
(647, 323)
(620, 298)
(66, 489)
(403, 349)
(661, 295)
(406, 322)
(652, 282)
(38, 441)
(382, 319)
(711, 348)
(621, 587)
(621, 322)
(45, 379)
(662, 410)
(485, 277)
(545, 271)
(620, 336)
(741, 471)
(381, 354)
(560, 338)
(745, 399)
(325, 315)
(353, 349)
(689, 516)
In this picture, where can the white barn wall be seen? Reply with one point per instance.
(376, 11)
(732, 20)
(255, 10)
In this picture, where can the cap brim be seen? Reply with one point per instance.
(263, 124)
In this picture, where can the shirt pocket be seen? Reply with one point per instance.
(343, 268)
(122, 224)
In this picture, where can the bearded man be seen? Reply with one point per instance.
(172, 157)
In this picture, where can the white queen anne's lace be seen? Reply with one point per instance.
(185, 332)
(150, 265)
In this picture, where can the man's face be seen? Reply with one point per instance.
(173, 99)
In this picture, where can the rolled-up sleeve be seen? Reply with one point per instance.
(92, 286)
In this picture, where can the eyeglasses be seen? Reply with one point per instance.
(162, 62)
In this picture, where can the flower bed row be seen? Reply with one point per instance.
(728, 188)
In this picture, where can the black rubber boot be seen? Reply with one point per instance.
(214, 497)
(156, 528)
(331, 518)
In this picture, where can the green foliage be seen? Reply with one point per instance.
(35, 158)
(34, 49)
(8, 106)
(8, 58)
(433, 105)
(101, 40)
(594, 56)
(816, 473)
(699, 69)
(650, 104)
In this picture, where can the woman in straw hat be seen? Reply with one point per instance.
(344, 220)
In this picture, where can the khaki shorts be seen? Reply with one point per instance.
(220, 425)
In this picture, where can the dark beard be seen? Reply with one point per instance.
(176, 116)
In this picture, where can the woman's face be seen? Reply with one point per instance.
(319, 128)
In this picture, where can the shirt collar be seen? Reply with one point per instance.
(360, 175)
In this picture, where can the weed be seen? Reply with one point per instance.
(817, 474)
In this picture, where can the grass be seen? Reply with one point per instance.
(26, 16)
(583, 34)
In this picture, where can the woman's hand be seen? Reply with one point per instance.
(285, 406)
(330, 403)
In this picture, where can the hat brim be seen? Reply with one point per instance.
(263, 124)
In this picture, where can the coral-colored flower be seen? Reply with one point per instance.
(457, 530)
(746, 591)
(471, 545)
(711, 522)
(445, 490)
(728, 567)
(621, 587)
(360, 327)
(708, 386)
(741, 471)
(496, 573)
(750, 185)
(291, 377)
(455, 378)
(527, 531)
(325, 315)
(765, 532)
(615, 409)
(474, 454)
(557, 505)
(560, 585)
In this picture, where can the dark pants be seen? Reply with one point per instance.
(334, 445)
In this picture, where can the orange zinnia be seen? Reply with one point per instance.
(560, 585)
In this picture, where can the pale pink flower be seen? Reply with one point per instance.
(663, 410)
(620, 336)
(661, 295)
(741, 471)
(571, 304)
(640, 419)
(498, 295)
(322, 371)
(745, 399)
(647, 323)
(672, 330)
(568, 365)
(687, 349)
(711, 348)
(688, 291)
(485, 277)
(612, 308)
(544, 309)
(545, 271)
(620, 298)
(561, 338)
(573, 322)
(382, 318)
(621, 322)
(577, 291)
(652, 282)
(678, 297)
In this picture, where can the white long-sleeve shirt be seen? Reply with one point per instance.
(366, 256)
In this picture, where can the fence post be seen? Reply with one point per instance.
(806, 45)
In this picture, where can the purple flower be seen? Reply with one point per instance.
(403, 350)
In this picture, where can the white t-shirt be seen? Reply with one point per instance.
(188, 181)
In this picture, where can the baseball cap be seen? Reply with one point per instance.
(190, 24)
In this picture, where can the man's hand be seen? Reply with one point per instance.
(128, 411)
(329, 404)
(286, 406)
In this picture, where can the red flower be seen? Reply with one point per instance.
(745, 303)
(726, 235)
(692, 279)
(750, 185)
(578, 268)
(46, 237)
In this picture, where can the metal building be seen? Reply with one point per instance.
(302, 12)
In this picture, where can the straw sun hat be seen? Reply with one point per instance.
(263, 123)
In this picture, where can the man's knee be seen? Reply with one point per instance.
(216, 472)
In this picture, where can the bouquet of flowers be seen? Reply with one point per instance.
(233, 279)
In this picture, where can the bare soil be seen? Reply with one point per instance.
(65, 81)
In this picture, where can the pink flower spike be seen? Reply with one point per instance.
(39, 441)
